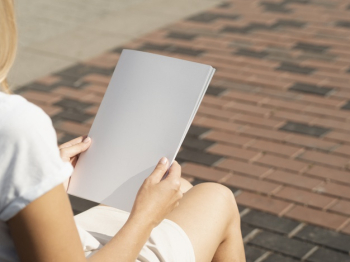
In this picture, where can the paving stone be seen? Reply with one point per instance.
(246, 229)
(214, 90)
(72, 104)
(307, 47)
(185, 51)
(252, 253)
(345, 24)
(210, 17)
(235, 29)
(66, 138)
(80, 205)
(317, 56)
(279, 258)
(197, 130)
(155, 47)
(282, 244)
(72, 115)
(80, 70)
(172, 49)
(288, 23)
(325, 237)
(225, 5)
(297, 1)
(294, 68)
(195, 143)
(182, 36)
(301, 128)
(269, 222)
(198, 157)
(276, 7)
(310, 89)
(327, 255)
(35, 86)
(251, 53)
(346, 106)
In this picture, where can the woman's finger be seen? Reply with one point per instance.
(73, 142)
(76, 149)
(160, 170)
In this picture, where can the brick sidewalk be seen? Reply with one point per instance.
(274, 125)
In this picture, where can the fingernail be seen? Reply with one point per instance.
(163, 160)
(87, 140)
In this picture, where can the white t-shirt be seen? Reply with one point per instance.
(30, 163)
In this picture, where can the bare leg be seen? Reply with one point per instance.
(185, 185)
(209, 215)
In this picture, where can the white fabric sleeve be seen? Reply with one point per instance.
(30, 162)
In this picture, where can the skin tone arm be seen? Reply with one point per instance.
(52, 213)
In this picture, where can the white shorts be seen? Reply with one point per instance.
(168, 242)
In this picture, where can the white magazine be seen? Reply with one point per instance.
(145, 114)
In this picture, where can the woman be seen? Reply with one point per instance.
(170, 220)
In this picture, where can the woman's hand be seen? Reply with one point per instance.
(156, 198)
(71, 150)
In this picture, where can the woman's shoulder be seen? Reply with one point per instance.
(21, 118)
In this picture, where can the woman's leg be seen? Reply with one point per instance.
(185, 185)
(209, 215)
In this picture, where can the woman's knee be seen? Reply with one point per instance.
(222, 196)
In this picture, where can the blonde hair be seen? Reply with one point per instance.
(8, 40)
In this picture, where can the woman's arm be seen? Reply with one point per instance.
(45, 230)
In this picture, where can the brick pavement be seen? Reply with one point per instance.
(273, 126)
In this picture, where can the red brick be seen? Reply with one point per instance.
(215, 112)
(97, 78)
(48, 80)
(92, 110)
(331, 123)
(346, 229)
(245, 97)
(251, 184)
(282, 163)
(265, 133)
(283, 104)
(248, 109)
(243, 168)
(214, 101)
(322, 111)
(334, 190)
(92, 98)
(322, 101)
(107, 60)
(233, 152)
(226, 138)
(330, 174)
(41, 97)
(304, 197)
(51, 110)
(72, 127)
(202, 172)
(324, 159)
(69, 92)
(316, 217)
(339, 137)
(343, 150)
(262, 203)
(100, 89)
(342, 206)
(298, 117)
(217, 124)
(311, 142)
(256, 121)
(287, 178)
(276, 148)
